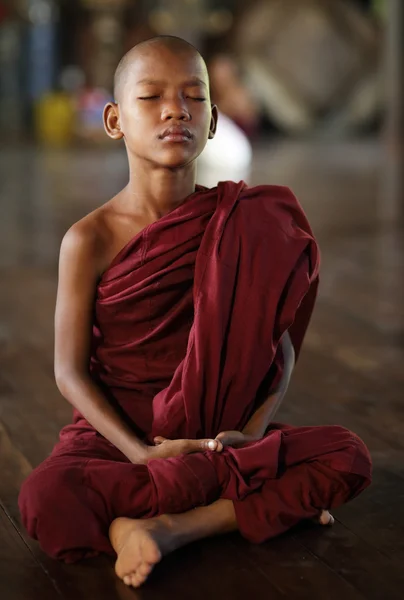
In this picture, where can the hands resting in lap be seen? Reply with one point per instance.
(165, 448)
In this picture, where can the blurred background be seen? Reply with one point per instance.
(284, 68)
(310, 94)
(291, 77)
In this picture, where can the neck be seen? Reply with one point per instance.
(156, 191)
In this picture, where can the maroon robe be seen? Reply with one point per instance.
(188, 323)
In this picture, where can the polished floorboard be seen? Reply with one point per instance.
(351, 372)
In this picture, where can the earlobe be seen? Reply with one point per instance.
(112, 122)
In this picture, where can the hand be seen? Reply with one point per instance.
(165, 448)
(234, 439)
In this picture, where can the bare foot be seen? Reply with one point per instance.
(139, 544)
(325, 518)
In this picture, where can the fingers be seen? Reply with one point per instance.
(230, 438)
(189, 446)
(219, 446)
(225, 438)
(206, 444)
(201, 445)
(224, 441)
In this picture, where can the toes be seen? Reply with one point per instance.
(125, 572)
(134, 580)
(137, 579)
(326, 518)
(144, 569)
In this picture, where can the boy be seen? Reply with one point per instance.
(179, 314)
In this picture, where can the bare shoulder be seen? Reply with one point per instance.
(86, 241)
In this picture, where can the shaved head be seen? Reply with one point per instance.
(175, 44)
(162, 105)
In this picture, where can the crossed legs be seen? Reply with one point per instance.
(85, 500)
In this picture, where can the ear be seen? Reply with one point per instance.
(213, 122)
(112, 122)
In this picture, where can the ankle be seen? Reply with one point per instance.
(168, 521)
(173, 531)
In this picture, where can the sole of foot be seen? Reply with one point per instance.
(138, 546)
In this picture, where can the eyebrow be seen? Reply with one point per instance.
(189, 83)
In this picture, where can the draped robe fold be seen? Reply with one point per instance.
(187, 328)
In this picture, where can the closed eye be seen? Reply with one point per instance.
(197, 99)
(148, 97)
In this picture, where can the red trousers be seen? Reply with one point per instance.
(69, 501)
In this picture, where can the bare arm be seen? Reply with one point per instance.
(78, 276)
(261, 419)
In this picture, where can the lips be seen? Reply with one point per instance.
(176, 133)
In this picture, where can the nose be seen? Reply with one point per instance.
(177, 109)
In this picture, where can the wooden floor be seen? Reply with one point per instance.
(351, 372)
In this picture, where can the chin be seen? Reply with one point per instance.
(176, 160)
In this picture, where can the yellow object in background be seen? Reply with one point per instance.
(54, 119)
